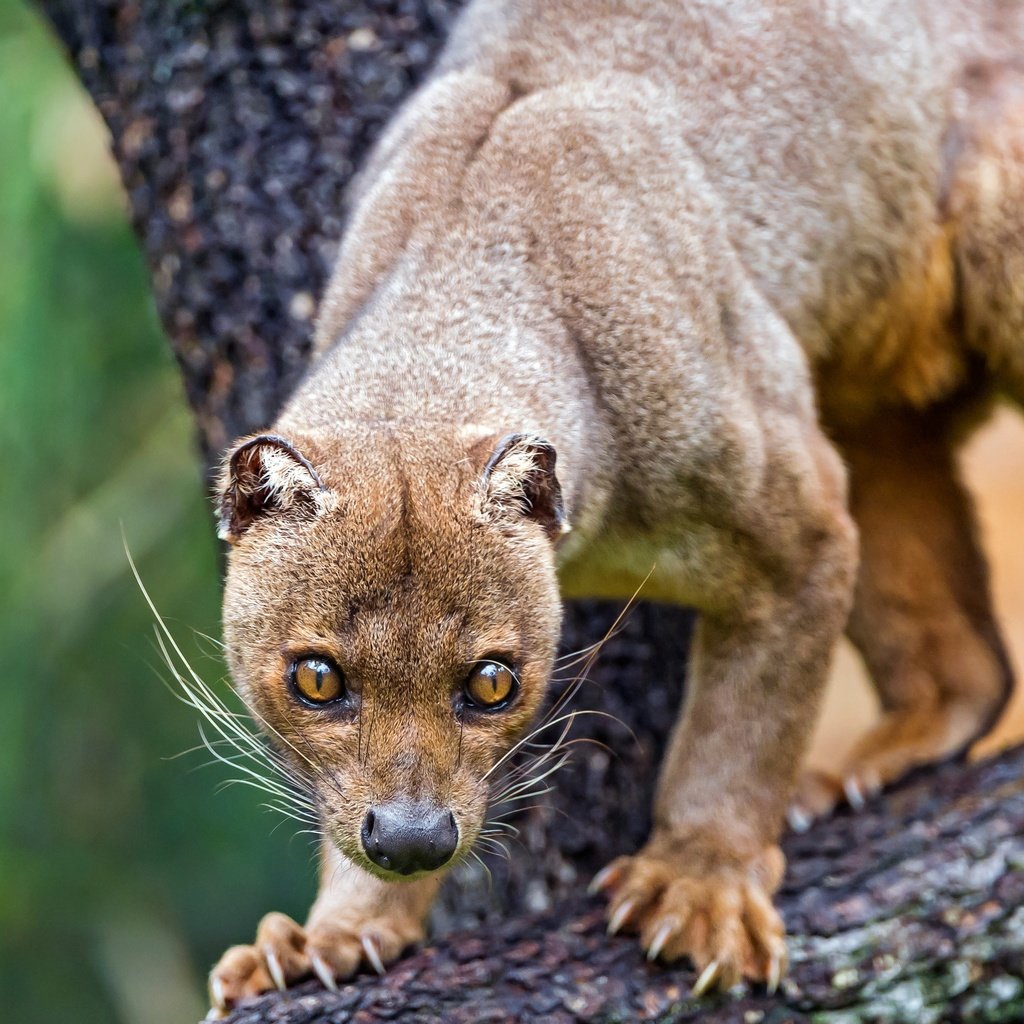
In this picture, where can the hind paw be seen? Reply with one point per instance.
(899, 743)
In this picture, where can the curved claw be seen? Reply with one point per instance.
(323, 972)
(774, 974)
(372, 951)
(274, 967)
(603, 879)
(661, 936)
(619, 918)
(707, 978)
(854, 796)
(216, 1013)
(217, 996)
(799, 820)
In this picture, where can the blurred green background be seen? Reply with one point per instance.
(123, 873)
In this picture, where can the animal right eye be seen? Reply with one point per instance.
(491, 686)
(317, 680)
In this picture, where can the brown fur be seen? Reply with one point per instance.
(712, 254)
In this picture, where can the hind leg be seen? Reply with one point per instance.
(922, 616)
(984, 205)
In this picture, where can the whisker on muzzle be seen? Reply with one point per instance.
(234, 743)
(529, 780)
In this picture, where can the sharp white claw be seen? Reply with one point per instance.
(372, 953)
(854, 795)
(661, 936)
(774, 974)
(619, 918)
(217, 996)
(601, 879)
(799, 820)
(274, 966)
(215, 1013)
(707, 978)
(323, 972)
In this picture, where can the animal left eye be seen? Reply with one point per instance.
(318, 680)
(490, 686)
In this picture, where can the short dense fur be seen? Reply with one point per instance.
(752, 270)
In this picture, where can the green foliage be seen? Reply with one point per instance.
(123, 873)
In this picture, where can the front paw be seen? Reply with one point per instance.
(284, 953)
(687, 899)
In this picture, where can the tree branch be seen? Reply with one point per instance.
(908, 912)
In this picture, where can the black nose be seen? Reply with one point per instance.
(408, 837)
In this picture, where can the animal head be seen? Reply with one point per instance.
(391, 616)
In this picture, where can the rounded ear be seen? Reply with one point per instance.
(519, 482)
(260, 475)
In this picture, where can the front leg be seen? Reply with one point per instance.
(702, 886)
(356, 920)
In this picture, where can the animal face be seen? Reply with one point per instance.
(391, 616)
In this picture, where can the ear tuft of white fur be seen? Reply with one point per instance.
(519, 483)
(282, 476)
(261, 475)
(506, 490)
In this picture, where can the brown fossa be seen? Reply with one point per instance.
(715, 286)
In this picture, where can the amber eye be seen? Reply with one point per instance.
(318, 680)
(491, 685)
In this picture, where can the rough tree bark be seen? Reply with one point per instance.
(907, 913)
(236, 125)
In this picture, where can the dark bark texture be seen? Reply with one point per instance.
(237, 125)
(909, 912)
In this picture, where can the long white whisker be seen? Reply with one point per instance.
(195, 676)
(526, 785)
(569, 716)
(563, 662)
(248, 752)
(496, 848)
(480, 860)
(496, 820)
(227, 727)
(268, 785)
(516, 776)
